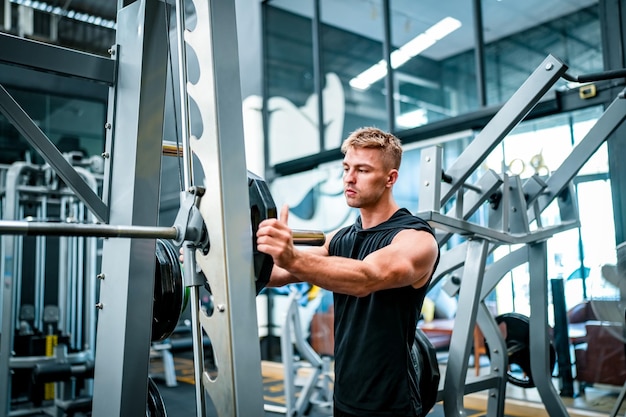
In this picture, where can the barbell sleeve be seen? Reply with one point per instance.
(172, 149)
(308, 237)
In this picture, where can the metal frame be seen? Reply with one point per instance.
(317, 385)
(78, 314)
(123, 335)
(136, 109)
(509, 224)
(237, 388)
(50, 58)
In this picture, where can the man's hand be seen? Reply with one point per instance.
(274, 238)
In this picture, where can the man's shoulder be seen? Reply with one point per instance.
(405, 218)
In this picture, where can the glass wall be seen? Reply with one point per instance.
(423, 38)
(292, 112)
(433, 62)
(574, 38)
(72, 124)
(349, 47)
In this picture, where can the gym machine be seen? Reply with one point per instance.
(49, 336)
(219, 214)
(315, 381)
(214, 223)
(448, 200)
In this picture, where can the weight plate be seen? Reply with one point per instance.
(155, 406)
(262, 207)
(169, 291)
(518, 347)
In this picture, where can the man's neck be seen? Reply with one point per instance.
(374, 216)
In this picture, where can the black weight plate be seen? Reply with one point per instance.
(262, 207)
(155, 406)
(518, 347)
(168, 292)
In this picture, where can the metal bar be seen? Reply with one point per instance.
(185, 126)
(389, 84)
(55, 59)
(538, 326)
(25, 125)
(463, 227)
(318, 77)
(430, 181)
(172, 149)
(308, 237)
(610, 120)
(513, 111)
(127, 281)
(27, 228)
(456, 370)
(237, 389)
(11, 285)
(479, 53)
(498, 359)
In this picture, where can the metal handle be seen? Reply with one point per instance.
(308, 237)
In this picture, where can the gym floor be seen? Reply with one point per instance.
(180, 400)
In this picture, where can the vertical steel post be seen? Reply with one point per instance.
(469, 295)
(236, 389)
(538, 326)
(128, 267)
(9, 271)
(192, 279)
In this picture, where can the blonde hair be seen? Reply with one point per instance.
(372, 137)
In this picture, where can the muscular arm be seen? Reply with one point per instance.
(281, 276)
(408, 260)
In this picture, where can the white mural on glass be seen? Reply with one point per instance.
(315, 197)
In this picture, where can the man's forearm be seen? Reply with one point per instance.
(281, 277)
(337, 274)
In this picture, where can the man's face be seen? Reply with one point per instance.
(365, 177)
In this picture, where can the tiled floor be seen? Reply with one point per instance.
(595, 402)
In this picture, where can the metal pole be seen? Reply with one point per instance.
(28, 228)
(192, 279)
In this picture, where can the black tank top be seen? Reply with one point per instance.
(373, 333)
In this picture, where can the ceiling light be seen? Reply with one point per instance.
(413, 118)
(70, 14)
(407, 51)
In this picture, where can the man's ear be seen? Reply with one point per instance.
(392, 177)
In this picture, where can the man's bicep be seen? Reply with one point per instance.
(408, 260)
(423, 255)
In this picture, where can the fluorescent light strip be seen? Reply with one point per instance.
(407, 51)
(412, 119)
(70, 14)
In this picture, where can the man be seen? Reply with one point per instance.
(378, 270)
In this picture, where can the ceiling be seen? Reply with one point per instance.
(410, 17)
